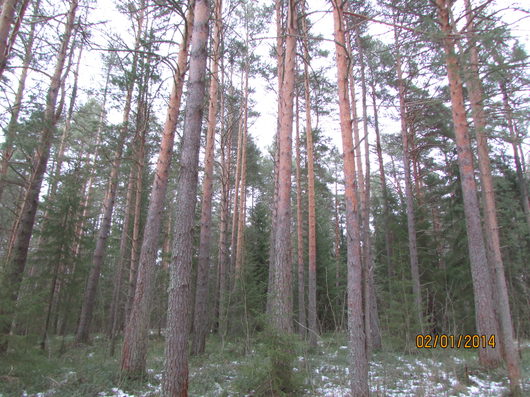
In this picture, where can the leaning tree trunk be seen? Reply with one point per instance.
(358, 359)
(6, 20)
(175, 381)
(280, 290)
(15, 268)
(476, 96)
(200, 322)
(486, 322)
(89, 297)
(134, 350)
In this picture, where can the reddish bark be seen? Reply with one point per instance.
(486, 322)
(280, 290)
(134, 350)
(358, 358)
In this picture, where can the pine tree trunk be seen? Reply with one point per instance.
(491, 234)
(357, 342)
(175, 381)
(299, 234)
(15, 267)
(89, 297)
(200, 321)
(311, 218)
(134, 350)
(382, 178)
(124, 257)
(482, 282)
(411, 221)
(280, 290)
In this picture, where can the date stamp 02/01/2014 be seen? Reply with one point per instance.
(462, 341)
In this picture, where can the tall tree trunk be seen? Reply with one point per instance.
(15, 267)
(124, 257)
(311, 217)
(373, 335)
(223, 258)
(134, 350)
(384, 188)
(242, 183)
(175, 381)
(476, 96)
(302, 326)
(482, 282)
(411, 221)
(357, 343)
(280, 290)
(15, 109)
(200, 322)
(89, 297)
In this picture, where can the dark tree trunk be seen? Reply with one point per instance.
(175, 381)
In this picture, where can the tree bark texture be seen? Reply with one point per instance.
(281, 302)
(357, 343)
(200, 321)
(500, 291)
(175, 381)
(311, 216)
(134, 350)
(486, 322)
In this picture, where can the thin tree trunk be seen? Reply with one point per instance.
(15, 267)
(89, 297)
(124, 257)
(175, 381)
(482, 282)
(299, 234)
(280, 290)
(311, 217)
(382, 177)
(134, 351)
(411, 221)
(200, 322)
(357, 343)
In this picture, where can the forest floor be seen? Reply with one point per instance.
(225, 370)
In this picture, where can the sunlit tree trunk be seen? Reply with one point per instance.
(175, 380)
(357, 343)
(134, 350)
(482, 281)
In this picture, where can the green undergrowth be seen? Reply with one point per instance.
(267, 365)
